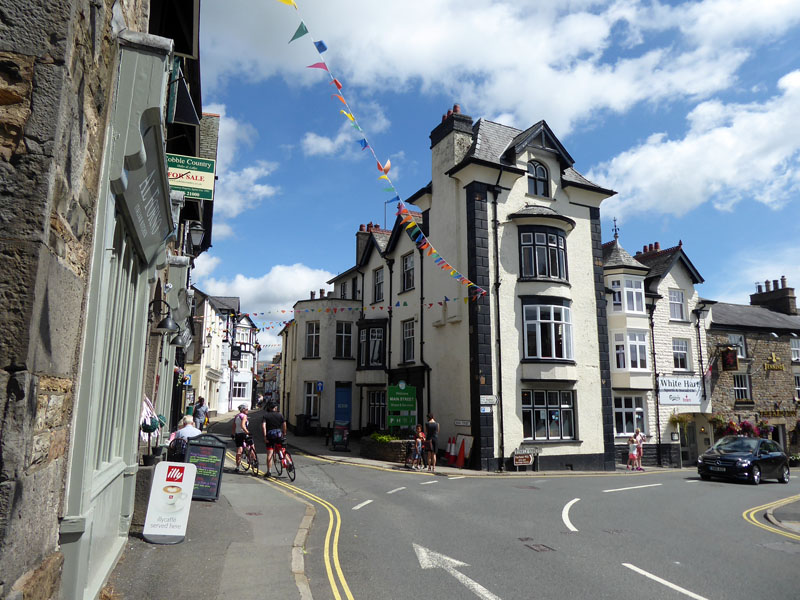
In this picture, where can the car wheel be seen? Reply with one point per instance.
(784, 478)
(705, 476)
(755, 475)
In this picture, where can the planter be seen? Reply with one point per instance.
(157, 450)
(148, 460)
(393, 451)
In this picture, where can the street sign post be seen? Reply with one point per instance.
(401, 406)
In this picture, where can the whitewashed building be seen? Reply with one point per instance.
(657, 337)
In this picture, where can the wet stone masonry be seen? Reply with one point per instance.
(772, 387)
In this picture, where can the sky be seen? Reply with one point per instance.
(689, 110)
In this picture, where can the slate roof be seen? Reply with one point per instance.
(533, 210)
(491, 140)
(381, 238)
(225, 302)
(661, 262)
(724, 315)
(615, 255)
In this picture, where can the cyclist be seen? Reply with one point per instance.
(240, 431)
(273, 426)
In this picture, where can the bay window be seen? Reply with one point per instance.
(637, 349)
(547, 331)
(543, 252)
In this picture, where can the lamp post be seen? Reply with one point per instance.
(196, 234)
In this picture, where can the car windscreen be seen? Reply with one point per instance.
(736, 444)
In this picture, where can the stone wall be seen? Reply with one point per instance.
(393, 451)
(57, 60)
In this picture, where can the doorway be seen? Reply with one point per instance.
(344, 402)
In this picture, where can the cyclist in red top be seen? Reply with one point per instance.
(273, 426)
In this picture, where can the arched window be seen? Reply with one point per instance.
(538, 183)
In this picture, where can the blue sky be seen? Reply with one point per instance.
(690, 110)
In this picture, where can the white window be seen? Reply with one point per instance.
(797, 386)
(548, 415)
(680, 354)
(619, 349)
(311, 404)
(543, 252)
(628, 414)
(737, 339)
(796, 350)
(548, 332)
(377, 408)
(616, 295)
(239, 389)
(741, 387)
(408, 272)
(344, 339)
(343, 290)
(370, 347)
(634, 296)
(312, 339)
(408, 340)
(637, 349)
(676, 309)
(377, 285)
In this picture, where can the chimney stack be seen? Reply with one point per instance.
(312, 295)
(451, 139)
(321, 293)
(650, 248)
(759, 289)
(658, 246)
(776, 296)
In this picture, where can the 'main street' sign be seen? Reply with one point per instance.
(191, 175)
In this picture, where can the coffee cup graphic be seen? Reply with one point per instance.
(173, 493)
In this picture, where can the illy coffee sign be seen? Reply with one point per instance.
(170, 501)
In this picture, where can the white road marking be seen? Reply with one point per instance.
(677, 588)
(429, 559)
(565, 515)
(636, 487)
(362, 505)
(692, 480)
(395, 490)
(457, 477)
(428, 482)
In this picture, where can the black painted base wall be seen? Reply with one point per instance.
(670, 455)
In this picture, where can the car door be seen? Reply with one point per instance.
(771, 458)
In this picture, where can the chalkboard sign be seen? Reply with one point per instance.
(207, 452)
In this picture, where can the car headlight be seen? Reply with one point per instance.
(699, 460)
(743, 462)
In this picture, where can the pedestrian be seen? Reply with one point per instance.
(260, 401)
(432, 441)
(240, 431)
(419, 448)
(187, 428)
(633, 454)
(640, 439)
(200, 413)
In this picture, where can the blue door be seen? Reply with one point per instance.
(344, 399)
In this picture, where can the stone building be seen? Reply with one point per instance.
(89, 236)
(755, 356)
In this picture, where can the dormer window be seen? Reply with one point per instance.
(538, 182)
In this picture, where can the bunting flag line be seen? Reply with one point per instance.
(413, 230)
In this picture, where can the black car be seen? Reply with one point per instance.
(745, 458)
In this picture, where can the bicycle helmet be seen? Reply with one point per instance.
(242, 407)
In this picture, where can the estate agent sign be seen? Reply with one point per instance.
(680, 391)
(191, 175)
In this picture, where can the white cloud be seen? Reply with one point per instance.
(238, 191)
(222, 231)
(731, 152)
(345, 143)
(233, 135)
(501, 57)
(205, 264)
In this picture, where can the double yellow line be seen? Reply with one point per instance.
(334, 527)
(750, 516)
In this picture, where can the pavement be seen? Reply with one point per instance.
(249, 544)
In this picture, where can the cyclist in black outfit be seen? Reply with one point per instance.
(273, 426)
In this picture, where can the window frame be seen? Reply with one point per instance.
(538, 179)
(540, 329)
(407, 263)
(633, 295)
(797, 387)
(377, 285)
(616, 295)
(686, 355)
(641, 349)
(539, 401)
(674, 303)
(241, 387)
(637, 410)
(408, 340)
(312, 339)
(367, 337)
(376, 409)
(741, 349)
(343, 291)
(541, 251)
(795, 346)
(311, 400)
(744, 382)
(344, 339)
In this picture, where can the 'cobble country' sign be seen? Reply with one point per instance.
(679, 391)
(191, 175)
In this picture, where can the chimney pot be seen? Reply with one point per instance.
(449, 113)
(313, 295)
(767, 285)
(658, 245)
(775, 284)
(644, 248)
(759, 289)
(456, 108)
(362, 227)
(321, 293)
(783, 281)
(443, 118)
(650, 248)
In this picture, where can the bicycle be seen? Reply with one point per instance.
(282, 459)
(249, 456)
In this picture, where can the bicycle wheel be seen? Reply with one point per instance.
(245, 462)
(289, 465)
(276, 460)
(254, 461)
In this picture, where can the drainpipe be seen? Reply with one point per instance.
(697, 312)
(651, 310)
(422, 330)
(496, 285)
(389, 264)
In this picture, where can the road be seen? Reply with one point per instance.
(654, 535)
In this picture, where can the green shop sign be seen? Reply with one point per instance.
(191, 175)
(401, 406)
